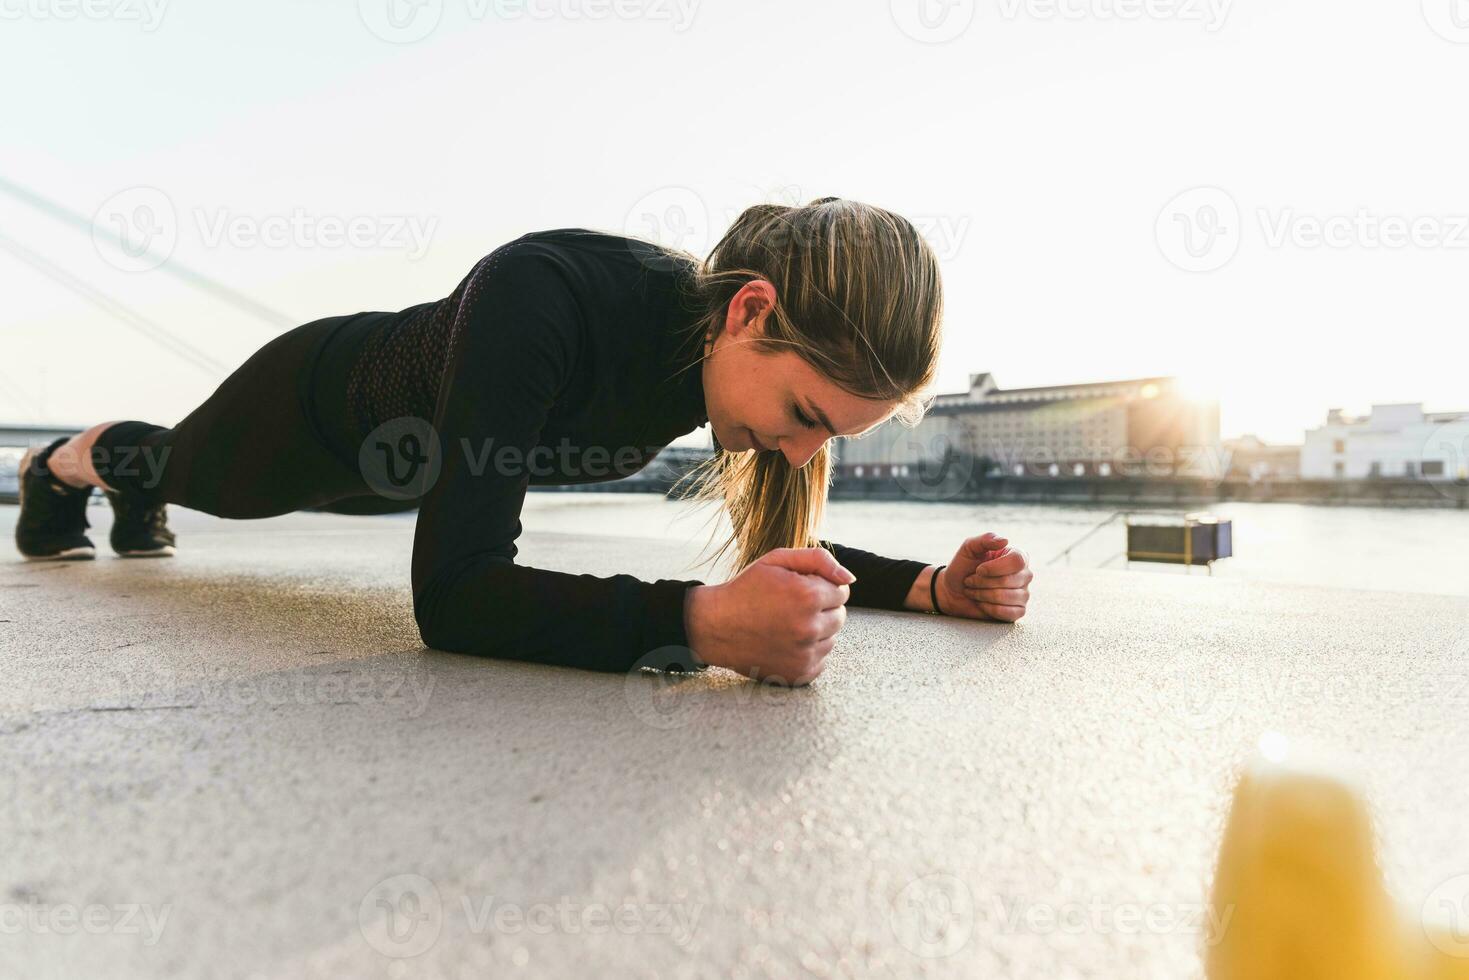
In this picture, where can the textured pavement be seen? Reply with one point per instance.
(242, 762)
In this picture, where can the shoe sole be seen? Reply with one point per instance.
(69, 554)
(167, 551)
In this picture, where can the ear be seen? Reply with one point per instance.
(748, 309)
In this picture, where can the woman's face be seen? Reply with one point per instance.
(775, 402)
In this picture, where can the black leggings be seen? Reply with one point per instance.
(275, 437)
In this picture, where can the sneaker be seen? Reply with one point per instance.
(53, 515)
(139, 528)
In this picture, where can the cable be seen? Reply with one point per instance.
(155, 332)
(15, 391)
(197, 279)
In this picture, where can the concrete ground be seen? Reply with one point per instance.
(242, 763)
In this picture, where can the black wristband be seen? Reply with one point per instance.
(933, 589)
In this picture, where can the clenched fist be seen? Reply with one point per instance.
(776, 620)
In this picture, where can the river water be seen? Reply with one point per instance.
(1399, 550)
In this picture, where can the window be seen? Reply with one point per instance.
(1433, 467)
(1339, 446)
(1339, 470)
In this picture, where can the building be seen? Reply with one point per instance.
(1391, 441)
(1251, 458)
(1140, 428)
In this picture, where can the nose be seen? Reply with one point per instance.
(799, 451)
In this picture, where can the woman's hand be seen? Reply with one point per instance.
(775, 621)
(986, 580)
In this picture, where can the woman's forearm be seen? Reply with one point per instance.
(918, 595)
(882, 582)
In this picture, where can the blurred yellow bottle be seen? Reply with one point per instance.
(1298, 891)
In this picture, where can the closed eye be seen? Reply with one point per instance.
(801, 417)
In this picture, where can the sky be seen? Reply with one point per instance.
(1263, 197)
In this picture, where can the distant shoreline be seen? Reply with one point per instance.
(1157, 492)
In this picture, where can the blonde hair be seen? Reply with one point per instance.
(859, 298)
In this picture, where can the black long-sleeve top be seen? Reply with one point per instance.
(564, 357)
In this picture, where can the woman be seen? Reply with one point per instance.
(573, 356)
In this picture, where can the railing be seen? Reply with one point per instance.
(1066, 554)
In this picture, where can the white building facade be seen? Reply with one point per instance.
(1392, 441)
